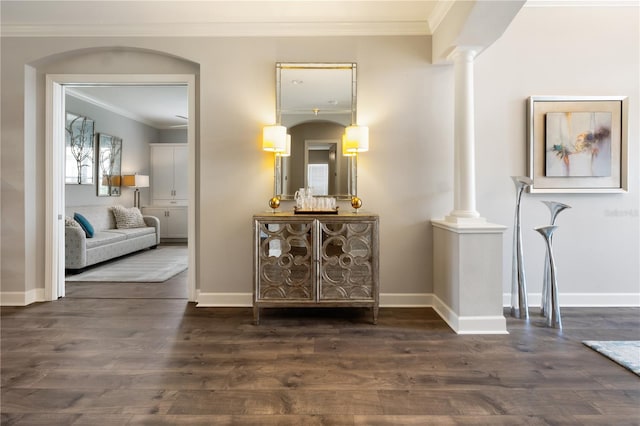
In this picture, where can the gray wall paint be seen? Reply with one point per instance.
(135, 153)
(406, 176)
(172, 136)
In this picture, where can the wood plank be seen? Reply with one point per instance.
(127, 360)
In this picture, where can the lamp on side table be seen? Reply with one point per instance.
(136, 181)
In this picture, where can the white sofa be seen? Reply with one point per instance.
(108, 241)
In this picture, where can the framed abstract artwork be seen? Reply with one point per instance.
(577, 143)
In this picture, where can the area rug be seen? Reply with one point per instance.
(148, 266)
(625, 353)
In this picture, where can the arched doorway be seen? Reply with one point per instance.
(54, 177)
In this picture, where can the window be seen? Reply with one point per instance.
(318, 175)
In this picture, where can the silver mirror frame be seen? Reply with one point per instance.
(350, 118)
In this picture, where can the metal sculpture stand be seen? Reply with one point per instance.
(519, 303)
(553, 308)
(554, 208)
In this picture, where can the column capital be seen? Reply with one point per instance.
(467, 53)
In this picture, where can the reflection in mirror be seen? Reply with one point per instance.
(315, 101)
(109, 160)
(79, 149)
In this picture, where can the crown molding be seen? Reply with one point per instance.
(438, 14)
(221, 29)
(231, 18)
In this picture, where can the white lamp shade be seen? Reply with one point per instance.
(287, 151)
(136, 181)
(356, 139)
(348, 148)
(274, 138)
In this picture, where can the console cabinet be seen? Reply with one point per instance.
(315, 260)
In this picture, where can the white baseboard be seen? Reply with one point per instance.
(488, 324)
(599, 300)
(406, 300)
(21, 298)
(221, 300)
(387, 300)
(461, 325)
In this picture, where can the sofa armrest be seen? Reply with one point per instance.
(155, 222)
(75, 247)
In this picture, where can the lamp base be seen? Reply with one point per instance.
(136, 198)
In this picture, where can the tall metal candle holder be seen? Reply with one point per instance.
(553, 309)
(519, 303)
(554, 208)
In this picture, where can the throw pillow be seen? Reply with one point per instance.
(128, 217)
(85, 224)
(68, 221)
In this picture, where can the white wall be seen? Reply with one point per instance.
(562, 51)
(406, 176)
(136, 138)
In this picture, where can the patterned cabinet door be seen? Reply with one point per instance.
(348, 260)
(285, 267)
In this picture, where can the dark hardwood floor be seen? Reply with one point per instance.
(105, 355)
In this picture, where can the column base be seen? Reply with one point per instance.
(465, 217)
(464, 220)
(467, 273)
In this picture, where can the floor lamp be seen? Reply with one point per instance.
(137, 182)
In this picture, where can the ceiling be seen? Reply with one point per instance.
(160, 106)
(310, 92)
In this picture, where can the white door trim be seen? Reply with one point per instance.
(54, 183)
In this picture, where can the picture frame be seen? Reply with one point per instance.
(108, 165)
(79, 149)
(577, 144)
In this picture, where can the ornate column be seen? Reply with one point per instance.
(467, 260)
(464, 185)
(467, 250)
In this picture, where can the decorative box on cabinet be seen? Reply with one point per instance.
(169, 178)
(315, 260)
(173, 220)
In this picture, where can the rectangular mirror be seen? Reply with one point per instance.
(109, 156)
(79, 149)
(315, 101)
